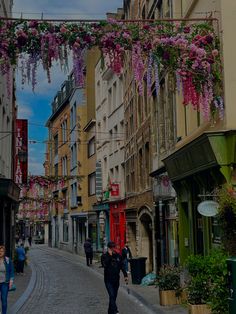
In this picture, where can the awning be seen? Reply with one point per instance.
(9, 189)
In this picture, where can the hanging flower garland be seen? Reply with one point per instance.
(190, 52)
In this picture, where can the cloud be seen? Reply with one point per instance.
(36, 168)
(25, 112)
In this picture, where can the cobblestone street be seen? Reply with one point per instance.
(67, 286)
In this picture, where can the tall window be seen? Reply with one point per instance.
(114, 96)
(56, 144)
(64, 131)
(65, 228)
(91, 147)
(73, 199)
(56, 170)
(64, 166)
(92, 184)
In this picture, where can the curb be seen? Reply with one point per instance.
(24, 297)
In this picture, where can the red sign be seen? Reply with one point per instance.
(115, 189)
(21, 157)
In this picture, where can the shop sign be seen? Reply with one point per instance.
(21, 151)
(115, 189)
(208, 208)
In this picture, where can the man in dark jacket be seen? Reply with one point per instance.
(113, 264)
(126, 255)
(88, 249)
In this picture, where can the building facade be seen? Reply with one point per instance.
(9, 191)
(140, 214)
(204, 153)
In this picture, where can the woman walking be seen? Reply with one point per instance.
(6, 277)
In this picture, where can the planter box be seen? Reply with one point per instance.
(168, 297)
(199, 309)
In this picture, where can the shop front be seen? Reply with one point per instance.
(9, 198)
(166, 219)
(196, 171)
(103, 225)
(117, 223)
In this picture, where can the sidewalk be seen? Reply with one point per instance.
(21, 283)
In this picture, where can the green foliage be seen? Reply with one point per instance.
(227, 218)
(169, 278)
(208, 281)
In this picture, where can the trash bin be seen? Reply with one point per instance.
(138, 269)
(231, 267)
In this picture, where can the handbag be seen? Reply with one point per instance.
(13, 288)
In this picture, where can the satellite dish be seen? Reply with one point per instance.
(208, 208)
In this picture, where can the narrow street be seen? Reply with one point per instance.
(67, 286)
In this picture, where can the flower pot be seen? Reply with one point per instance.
(199, 309)
(168, 297)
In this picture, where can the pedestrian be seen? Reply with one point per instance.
(126, 255)
(6, 277)
(20, 252)
(113, 264)
(30, 240)
(88, 249)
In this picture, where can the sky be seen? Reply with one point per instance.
(36, 106)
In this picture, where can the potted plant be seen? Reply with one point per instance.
(169, 285)
(199, 286)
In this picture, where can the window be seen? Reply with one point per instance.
(73, 156)
(91, 147)
(73, 195)
(114, 95)
(64, 166)
(56, 170)
(55, 144)
(115, 137)
(65, 228)
(110, 100)
(73, 116)
(64, 131)
(92, 184)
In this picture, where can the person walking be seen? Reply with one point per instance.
(20, 252)
(88, 249)
(30, 240)
(113, 264)
(126, 255)
(6, 277)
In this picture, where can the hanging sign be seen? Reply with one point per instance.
(208, 208)
(21, 151)
(115, 189)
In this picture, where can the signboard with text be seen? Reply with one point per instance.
(115, 189)
(21, 151)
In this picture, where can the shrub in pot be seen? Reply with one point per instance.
(207, 288)
(169, 285)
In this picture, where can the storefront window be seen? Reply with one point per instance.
(216, 231)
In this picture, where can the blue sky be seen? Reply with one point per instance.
(36, 106)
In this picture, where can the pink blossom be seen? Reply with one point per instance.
(63, 29)
(215, 52)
